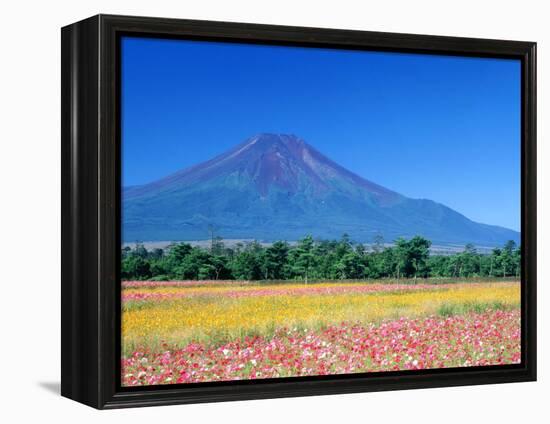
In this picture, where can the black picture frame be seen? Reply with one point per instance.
(90, 138)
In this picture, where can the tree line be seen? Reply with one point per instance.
(310, 259)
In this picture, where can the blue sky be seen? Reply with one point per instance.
(435, 127)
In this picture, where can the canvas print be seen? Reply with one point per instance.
(293, 211)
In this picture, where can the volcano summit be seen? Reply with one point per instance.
(278, 187)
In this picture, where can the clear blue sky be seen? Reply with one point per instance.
(434, 127)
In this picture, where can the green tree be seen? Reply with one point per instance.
(351, 265)
(126, 251)
(246, 264)
(303, 259)
(412, 257)
(324, 252)
(274, 261)
(212, 267)
(507, 262)
(192, 265)
(140, 250)
(309, 259)
(495, 262)
(439, 266)
(135, 267)
(217, 246)
(468, 261)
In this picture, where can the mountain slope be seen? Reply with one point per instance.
(276, 186)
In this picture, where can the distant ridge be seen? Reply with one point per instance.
(278, 187)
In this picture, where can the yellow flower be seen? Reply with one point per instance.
(211, 315)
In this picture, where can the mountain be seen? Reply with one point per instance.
(278, 187)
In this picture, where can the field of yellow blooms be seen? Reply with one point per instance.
(167, 324)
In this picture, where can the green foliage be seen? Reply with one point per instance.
(450, 309)
(315, 259)
(504, 262)
(135, 267)
(302, 259)
(412, 257)
(274, 261)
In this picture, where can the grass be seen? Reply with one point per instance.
(450, 309)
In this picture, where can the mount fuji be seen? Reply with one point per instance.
(278, 187)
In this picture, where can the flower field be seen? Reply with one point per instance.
(182, 332)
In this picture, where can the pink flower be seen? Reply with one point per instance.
(491, 338)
